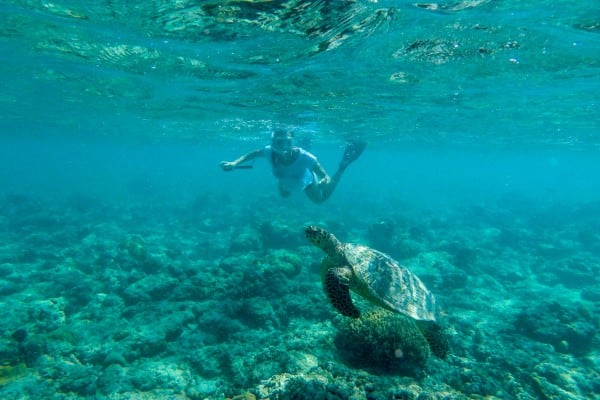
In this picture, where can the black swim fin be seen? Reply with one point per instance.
(353, 150)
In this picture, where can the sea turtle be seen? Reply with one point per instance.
(378, 278)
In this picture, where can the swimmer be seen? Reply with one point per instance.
(297, 169)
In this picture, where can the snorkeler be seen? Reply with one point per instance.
(297, 169)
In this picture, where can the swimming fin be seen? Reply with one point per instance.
(353, 150)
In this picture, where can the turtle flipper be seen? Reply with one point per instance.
(337, 287)
(434, 333)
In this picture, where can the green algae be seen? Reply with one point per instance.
(11, 373)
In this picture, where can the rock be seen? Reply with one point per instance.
(243, 396)
(160, 375)
(591, 294)
(566, 326)
(209, 361)
(34, 347)
(238, 262)
(244, 242)
(437, 272)
(101, 305)
(19, 335)
(302, 362)
(404, 248)
(573, 272)
(148, 343)
(555, 382)
(114, 379)
(69, 374)
(151, 287)
(9, 288)
(114, 357)
(255, 312)
(276, 235)
(11, 373)
(48, 314)
(298, 387)
(202, 388)
(289, 264)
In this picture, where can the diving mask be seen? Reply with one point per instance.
(282, 144)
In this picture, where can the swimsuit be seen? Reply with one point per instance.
(298, 175)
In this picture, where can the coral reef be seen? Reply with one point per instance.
(130, 302)
(383, 341)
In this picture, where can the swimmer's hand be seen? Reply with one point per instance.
(325, 180)
(227, 165)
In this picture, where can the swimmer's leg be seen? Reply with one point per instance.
(284, 192)
(319, 192)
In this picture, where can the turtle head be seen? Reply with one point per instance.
(321, 238)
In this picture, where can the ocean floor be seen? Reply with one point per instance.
(212, 299)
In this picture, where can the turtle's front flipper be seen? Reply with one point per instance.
(434, 333)
(337, 287)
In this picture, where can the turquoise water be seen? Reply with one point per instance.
(133, 267)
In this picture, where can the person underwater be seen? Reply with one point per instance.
(297, 169)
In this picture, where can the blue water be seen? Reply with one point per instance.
(132, 265)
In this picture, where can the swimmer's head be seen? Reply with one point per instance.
(282, 140)
(282, 134)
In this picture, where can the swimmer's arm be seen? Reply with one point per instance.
(320, 173)
(230, 165)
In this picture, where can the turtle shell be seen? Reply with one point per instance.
(384, 282)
